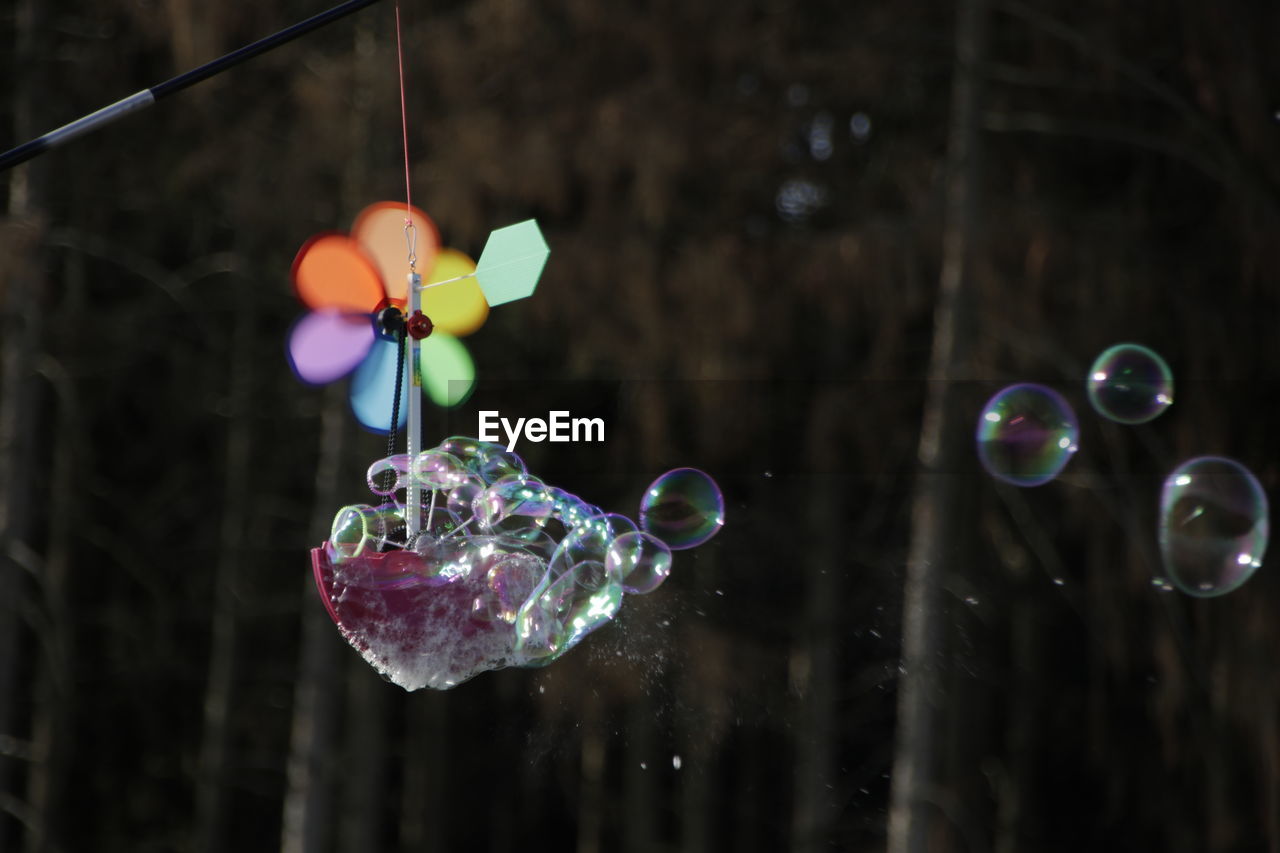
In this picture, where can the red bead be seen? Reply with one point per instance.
(419, 326)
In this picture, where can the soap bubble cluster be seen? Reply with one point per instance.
(504, 570)
(1214, 523)
(1027, 432)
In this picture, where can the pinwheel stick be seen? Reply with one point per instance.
(147, 97)
(413, 498)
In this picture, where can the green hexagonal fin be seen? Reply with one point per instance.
(511, 262)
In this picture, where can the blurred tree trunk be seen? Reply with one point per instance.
(940, 507)
(755, 764)
(423, 810)
(309, 824)
(364, 770)
(364, 776)
(1269, 722)
(510, 833)
(591, 786)
(52, 724)
(696, 800)
(1016, 786)
(308, 796)
(21, 330)
(638, 782)
(211, 781)
(361, 784)
(817, 742)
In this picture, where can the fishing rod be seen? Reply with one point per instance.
(147, 97)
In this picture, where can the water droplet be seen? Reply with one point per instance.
(676, 762)
(1130, 384)
(1026, 434)
(821, 146)
(860, 127)
(683, 508)
(799, 199)
(1213, 525)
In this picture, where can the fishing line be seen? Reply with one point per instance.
(404, 134)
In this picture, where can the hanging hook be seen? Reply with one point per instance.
(411, 244)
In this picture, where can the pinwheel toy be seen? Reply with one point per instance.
(359, 305)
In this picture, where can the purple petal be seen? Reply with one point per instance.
(327, 345)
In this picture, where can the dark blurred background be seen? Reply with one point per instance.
(786, 238)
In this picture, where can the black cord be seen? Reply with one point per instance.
(395, 401)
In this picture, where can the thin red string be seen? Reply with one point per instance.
(404, 125)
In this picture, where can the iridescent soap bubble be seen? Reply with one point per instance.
(640, 561)
(461, 499)
(1026, 434)
(1213, 525)
(562, 610)
(360, 526)
(589, 541)
(683, 508)
(1130, 384)
(397, 466)
(508, 580)
(569, 508)
(436, 469)
(511, 496)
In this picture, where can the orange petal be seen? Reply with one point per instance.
(331, 271)
(380, 231)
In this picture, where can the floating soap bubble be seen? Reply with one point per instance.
(1130, 384)
(683, 508)
(1026, 434)
(1213, 525)
(505, 570)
